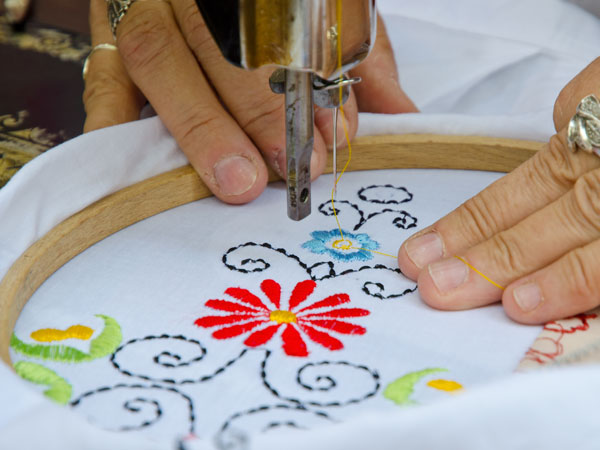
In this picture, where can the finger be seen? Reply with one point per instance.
(570, 222)
(110, 97)
(380, 90)
(578, 88)
(567, 287)
(539, 181)
(246, 94)
(161, 64)
(324, 122)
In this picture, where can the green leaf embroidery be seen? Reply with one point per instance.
(105, 344)
(400, 390)
(59, 389)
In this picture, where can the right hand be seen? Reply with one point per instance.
(225, 119)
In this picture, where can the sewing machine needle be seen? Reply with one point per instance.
(335, 120)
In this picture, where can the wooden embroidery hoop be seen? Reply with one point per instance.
(180, 186)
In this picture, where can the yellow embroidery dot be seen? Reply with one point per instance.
(445, 385)
(342, 244)
(283, 316)
(52, 334)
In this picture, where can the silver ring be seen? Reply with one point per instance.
(116, 11)
(104, 46)
(584, 128)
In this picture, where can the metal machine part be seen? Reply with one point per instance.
(314, 43)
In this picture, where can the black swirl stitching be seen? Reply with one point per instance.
(127, 406)
(381, 288)
(363, 197)
(263, 408)
(331, 273)
(299, 402)
(403, 221)
(326, 209)
(202, 379)
(288, 424)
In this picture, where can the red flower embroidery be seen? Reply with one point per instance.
(251, 313)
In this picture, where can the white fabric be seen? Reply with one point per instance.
(154, 278)
(517, 55)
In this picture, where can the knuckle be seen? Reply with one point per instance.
(580, 274)
(507, 257)
(196, 32)
(476, 219)
(103, 84)
(144, 37)
(587, 198)
(558, 162)
(261, 113)
(194, 125)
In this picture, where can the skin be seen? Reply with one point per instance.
(226, 120)
(535, 231)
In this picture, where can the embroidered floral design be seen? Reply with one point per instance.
(354, 247)
(103, 345)
(250, 314)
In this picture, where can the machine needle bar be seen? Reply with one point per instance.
(299, 116)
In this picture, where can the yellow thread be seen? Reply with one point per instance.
(373, 251)
(445, 385)
(342, 244)
(280, 316)
(479, 273)
(52, 334)
(346, 134)
(338, 12)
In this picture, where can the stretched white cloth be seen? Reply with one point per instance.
(490, 68)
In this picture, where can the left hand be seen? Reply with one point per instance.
(535, 231)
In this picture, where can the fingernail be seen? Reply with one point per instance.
(528, 297)
(280, 163)
(449, 274)
(424, 249)
(235, 175)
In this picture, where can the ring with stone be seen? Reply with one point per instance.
(584, 128)
(116, 11)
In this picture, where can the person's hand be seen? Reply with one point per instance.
(225, 119)
(535, 231)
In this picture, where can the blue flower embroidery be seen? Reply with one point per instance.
(354, 247)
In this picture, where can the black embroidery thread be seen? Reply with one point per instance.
(299, 402)
(231, 438)
(126, 405)
(171, 381)
(404, 220)
(381, 288)
(329, 272)
(363, 197)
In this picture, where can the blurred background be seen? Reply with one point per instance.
(43, 44)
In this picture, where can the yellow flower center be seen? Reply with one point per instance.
(445, 385)
(342, 244)
(283, 316)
